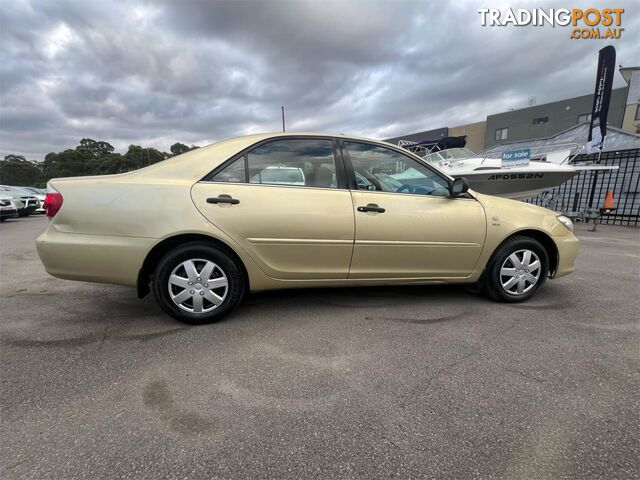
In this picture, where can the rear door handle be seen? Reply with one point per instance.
(371, 207)
(224, 198)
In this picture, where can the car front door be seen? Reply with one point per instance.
(407, 226)
(286, 203)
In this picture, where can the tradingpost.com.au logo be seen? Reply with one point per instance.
(586, 23)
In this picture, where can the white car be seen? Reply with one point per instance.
(30, 202)
(8, 208)
(40, 194)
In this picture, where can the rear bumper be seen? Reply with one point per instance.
(568, 248)
(93, 258)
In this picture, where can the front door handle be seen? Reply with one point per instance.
(224, 198)
(371, 207)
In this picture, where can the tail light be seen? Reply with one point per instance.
(52, 201)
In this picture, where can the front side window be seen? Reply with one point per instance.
(384, 170)
(295, 162)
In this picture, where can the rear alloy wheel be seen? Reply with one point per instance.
(517, 270)
(197, 284)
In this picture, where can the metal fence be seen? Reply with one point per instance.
(588, 189)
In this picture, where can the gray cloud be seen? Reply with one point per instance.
(156, 72)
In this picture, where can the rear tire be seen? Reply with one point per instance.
(517, 270)
(197, 283)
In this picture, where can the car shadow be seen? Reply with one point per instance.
(360, 297)
(119, 316)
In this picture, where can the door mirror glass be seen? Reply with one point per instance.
(459, 186)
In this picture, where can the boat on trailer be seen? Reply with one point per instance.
(548, 166)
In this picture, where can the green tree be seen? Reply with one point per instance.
(90, 157)
(70, 163)
(16, 170)
(104, 165)
(96, 148)
(179, 148)
(138, 157)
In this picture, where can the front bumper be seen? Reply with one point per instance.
(8, 212)
(568, 248)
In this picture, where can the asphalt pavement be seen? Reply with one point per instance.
(405, 382)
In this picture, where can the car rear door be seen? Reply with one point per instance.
(285, 201)
(407, 226)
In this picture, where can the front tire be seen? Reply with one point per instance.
(197, 283)
(517, 270)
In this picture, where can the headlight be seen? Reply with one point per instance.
(566, 222)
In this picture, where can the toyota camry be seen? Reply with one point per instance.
(285, 210)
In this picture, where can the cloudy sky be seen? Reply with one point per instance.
(157, 72)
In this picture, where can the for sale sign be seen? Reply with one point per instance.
(516, 158)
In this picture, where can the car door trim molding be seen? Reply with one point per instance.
(297, 241)
(426, 197)
(395, 243)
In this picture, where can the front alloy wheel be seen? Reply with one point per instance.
(520, 272)
(517, 270)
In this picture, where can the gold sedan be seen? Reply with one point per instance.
(287, 210)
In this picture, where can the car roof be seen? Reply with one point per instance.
(195, 164)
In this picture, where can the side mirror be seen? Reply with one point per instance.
(459, 186)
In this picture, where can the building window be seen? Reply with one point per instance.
(585, 117)
(637, 112)
(501, 133)
(539, 120)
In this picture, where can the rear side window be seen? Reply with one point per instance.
(233, 173)
(295, 162)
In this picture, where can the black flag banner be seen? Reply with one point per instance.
(601, 99)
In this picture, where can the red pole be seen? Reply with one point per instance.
(282, 119)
